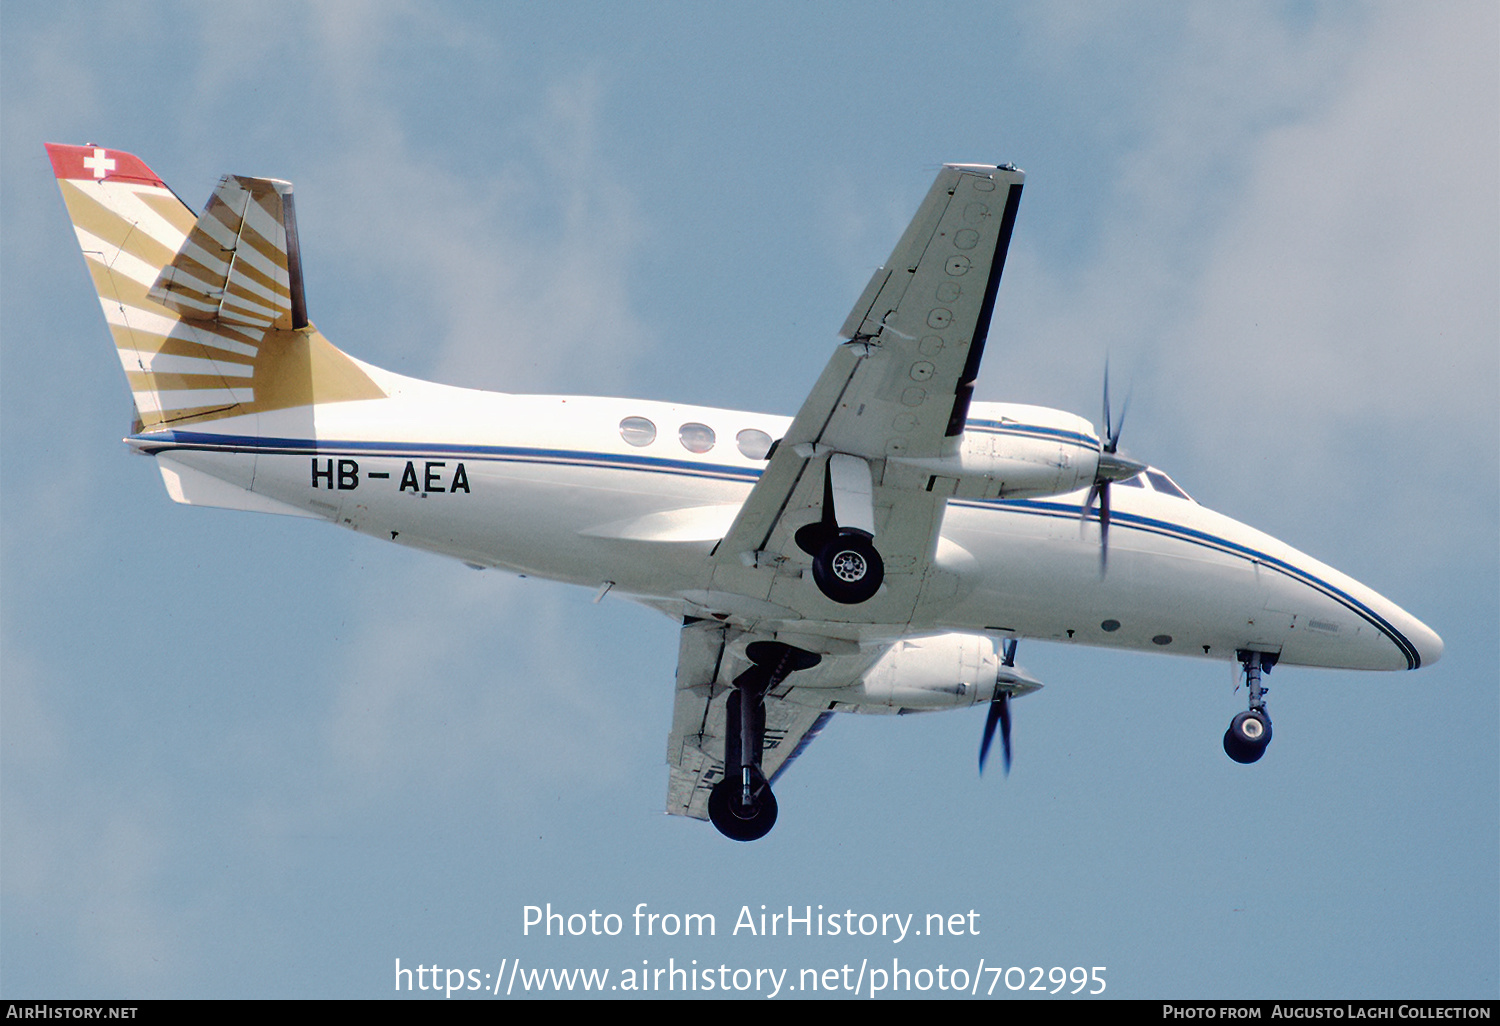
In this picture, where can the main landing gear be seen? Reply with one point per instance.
(741, 805)
(1250, 732)
(846, 566)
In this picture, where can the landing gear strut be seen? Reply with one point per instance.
(741, 805)
(1250, 732)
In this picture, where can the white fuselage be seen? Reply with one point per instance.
(550, 486)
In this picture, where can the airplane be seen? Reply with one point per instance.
(880, 552)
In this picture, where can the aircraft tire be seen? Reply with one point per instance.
(736, 822)
(848, 570)
(1247, 737)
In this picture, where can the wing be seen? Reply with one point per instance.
(900, 387)
(695, 748)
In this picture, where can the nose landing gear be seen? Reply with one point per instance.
(1250, 732)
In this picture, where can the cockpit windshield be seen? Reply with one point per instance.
(1164, 484)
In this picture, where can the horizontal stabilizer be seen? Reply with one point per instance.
(241, 263)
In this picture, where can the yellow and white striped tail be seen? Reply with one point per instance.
(207, 312)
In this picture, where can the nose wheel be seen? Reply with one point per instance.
(1246, 739)
(1250, 732)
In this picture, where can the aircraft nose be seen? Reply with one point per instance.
(1419, 642)
(1429, 646)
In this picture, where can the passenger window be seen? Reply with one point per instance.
(696, 437)
(638, 431)
(753, 443)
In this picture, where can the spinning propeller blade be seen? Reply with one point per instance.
(999, 713)
(1104, 529)
(1112, 467)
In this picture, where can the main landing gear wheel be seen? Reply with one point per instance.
(1248, 734)
(736, 820)
(741, 805)
(848, 569)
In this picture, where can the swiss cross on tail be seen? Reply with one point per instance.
(96, 164)
(101, 163)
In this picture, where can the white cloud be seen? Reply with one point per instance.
(1177, 112)
(515, 266)
(1297, 267)
(1347, 310)
(456, 676)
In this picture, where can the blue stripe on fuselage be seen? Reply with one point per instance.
(1000, 427)
(195, 441)
(1165, 528)
(156, 443)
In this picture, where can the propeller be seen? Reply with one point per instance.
(999, 713)
(1112, 467)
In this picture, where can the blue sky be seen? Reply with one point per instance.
(253, 756)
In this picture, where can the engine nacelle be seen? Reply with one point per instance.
(940, 671)
(1011, 451)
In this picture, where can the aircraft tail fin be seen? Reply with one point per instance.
(207, 313)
